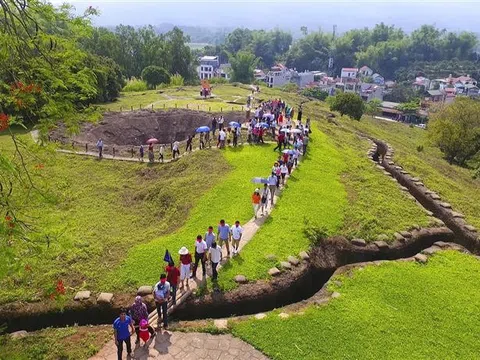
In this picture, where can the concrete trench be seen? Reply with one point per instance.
(304, 281)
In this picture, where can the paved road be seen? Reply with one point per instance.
(187, 346)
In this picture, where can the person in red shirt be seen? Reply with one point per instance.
(280, 140)
(172, 277)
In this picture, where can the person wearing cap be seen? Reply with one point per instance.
(161, 294)
(139, 312)
(185, 265)
(121, 332)
(256, 201)
(200, 256)
(237, 232)
(223, 235)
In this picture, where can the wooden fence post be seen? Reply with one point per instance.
(175, 105)
(131, 108)
(121, 109)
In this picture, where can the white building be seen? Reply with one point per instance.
(366, 71)
(302, 79)
(278, 75)
(259, 75)
(208, 67)
(349, 74)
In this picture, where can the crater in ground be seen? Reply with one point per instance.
(136, 127)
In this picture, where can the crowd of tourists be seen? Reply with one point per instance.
(272, 118)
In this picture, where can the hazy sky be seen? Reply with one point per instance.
(453, 15)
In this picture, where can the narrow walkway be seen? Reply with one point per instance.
(249, 230)
(145, 160)
(185, 346)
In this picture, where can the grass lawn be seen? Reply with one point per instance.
(73, 343)
(455, 184)
(182, 97)
(336, 188)
(393, 311)
(97, 212)
(229, 199)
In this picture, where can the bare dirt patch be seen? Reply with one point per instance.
(136, 127)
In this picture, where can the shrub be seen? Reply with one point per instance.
(315, 93)
(420, 148)
(218, 80)
(177, 80)
(290, 87)
(135, 85)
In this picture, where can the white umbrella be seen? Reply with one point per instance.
(285, 130)
(296, 131)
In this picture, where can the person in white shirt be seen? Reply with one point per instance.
(175, 149)
(283, 172)
(237, 232)
(200, 255)
(215, 257)
(222, 135)
(221, 120)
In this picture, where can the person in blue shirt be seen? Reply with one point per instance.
(121, 329)
(161, 293)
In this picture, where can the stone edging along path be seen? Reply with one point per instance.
(87, 310)
(466, 234)
(307, 277)
(323, 296)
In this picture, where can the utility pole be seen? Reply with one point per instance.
(330, 59)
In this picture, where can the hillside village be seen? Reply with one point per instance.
(364, 81)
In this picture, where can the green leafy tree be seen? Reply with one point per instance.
(243, 64)
(310, 52)
(455, 129)
(349, 104)
(402, 93)
(179, 54)
(155, 75)
(315, 93)
(409, 107)
(372, 107)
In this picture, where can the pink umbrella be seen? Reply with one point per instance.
(152, 141)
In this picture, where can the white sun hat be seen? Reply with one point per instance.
(183, 251)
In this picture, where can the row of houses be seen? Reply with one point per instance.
(446, 90)
(279, 75)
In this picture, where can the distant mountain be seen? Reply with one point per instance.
(199, 34)
(288, 15)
